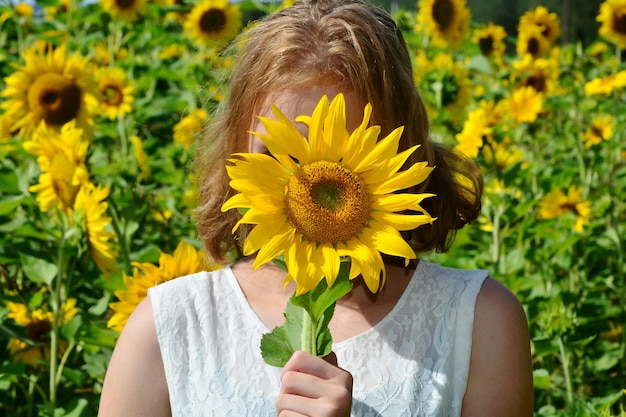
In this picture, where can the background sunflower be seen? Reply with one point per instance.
(116, 92)
(51, 87)
(612, 18)
(213, 22)
(446, 22)
(126, 10)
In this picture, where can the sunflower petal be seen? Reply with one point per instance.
(258, 236)
(389, 168)
(385, 149)
(386, 239)
(335, 133)
(416, 174)
(330, 263)
(236, 201)
(274, 247)
(400, 202)
(403, 221)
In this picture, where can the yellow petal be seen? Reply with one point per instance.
(384, 150)
(387, 240)
(416, 174)
(402, 221)
(259, 235)
(274, 247)
(316, 130)
(335, 133)
(236, 201)
(399, 202)
(330, 264)
(387, 169)
(369, 264)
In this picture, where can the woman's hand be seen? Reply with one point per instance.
(314, 387)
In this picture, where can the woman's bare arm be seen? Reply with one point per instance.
(135, 380)
(500, 378)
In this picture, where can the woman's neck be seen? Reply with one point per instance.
(269, 280)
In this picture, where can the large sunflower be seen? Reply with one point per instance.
(445, 21)
(185, 260)
(612, 20)
(127, 10)
(334, 195)
(90, 207)
(61, 157)
(50, 87)
(116, 92)
(213, 22)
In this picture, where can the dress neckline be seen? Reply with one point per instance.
(249, 311)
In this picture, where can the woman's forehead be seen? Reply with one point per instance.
(302, 102)
(296, 103)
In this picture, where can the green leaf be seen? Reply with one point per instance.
(8, 204)
(70, 328)
(101, 306)
(306, 322)
(38, 270)
(276, 348)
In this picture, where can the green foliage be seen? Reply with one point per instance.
(306, 322)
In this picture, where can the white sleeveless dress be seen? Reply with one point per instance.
(414, 362)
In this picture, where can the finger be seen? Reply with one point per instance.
(304, 385)
(291, 404)
(310, 364)
(287, 403)
(289, 413)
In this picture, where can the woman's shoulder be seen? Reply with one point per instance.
(462, 285)
(438, 271)
(189, 297)
(500, 379)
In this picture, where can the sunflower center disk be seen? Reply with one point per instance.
(56, 97)
(112, 95)
(443, 13)
(619, 23)
(327, 203)
(125, 4)
(486, 45)
(533, 46)
(212, 20)
(38, 330)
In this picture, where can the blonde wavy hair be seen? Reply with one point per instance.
(358, 47)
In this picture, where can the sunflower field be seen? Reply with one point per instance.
(101, 107)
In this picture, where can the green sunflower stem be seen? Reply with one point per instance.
(55, 302)
(307, 342)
